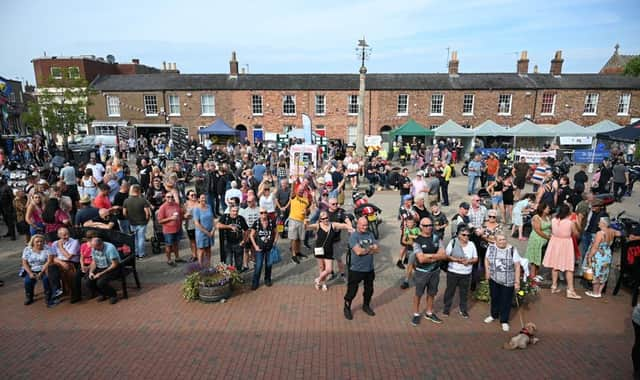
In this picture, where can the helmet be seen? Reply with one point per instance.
(360, 202)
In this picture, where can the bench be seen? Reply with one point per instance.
(125, 243)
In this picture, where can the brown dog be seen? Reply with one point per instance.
(523, 338)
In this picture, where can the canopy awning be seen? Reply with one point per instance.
(604, 126)
(629, 134)
(529, 129)
(568, 128)
(490, 128)
(411, 128)
(452, 129)
(218, 128)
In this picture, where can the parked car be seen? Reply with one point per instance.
(89, 142)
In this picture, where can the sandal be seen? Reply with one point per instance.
(592, 294)
(324, 287)
(573, 295)
(316, 283)
(554, 290)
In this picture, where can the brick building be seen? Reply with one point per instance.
(275, 102)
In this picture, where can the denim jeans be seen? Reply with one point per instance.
(261, 259)
(235, 253)
(585, 242)
(139, 231)
(30, 284)
(471, 186)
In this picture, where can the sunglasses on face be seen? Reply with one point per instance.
(492, 217)
(464, 234)
(263, 212)
(324, 218)
(426, 225)
(333, 204)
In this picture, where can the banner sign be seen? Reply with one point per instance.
(302, 156)
(487, 151)
(585, 156)
(534, 157)
(373, 140)
(582, 140)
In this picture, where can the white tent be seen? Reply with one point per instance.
(604, 126)
(568, 128)
(452, 129)
(530, 129)
(490, 128)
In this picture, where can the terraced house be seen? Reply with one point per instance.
(260, 103)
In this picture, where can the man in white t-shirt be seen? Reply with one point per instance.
(462, 255)
(97, 169)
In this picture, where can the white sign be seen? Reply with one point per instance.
(582, 140)
(534, 157)
(373, 140)
(302, 157)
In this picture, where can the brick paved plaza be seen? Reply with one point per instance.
(294, 331)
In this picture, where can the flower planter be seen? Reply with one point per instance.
(214, 293)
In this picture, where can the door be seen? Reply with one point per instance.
(124, 133)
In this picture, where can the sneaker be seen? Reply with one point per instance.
(432, 317)
(28, 301)
(405, 285)
(58, 293)
(347, 313)
(399, 264)
(324, 287)
(505, 327)
(415, 320)
(53, 303)
(464, 314)
(268, 283)
(488, 319)
(295, 259)
(141, 257)
(445, 313)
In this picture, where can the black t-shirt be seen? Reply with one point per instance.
(337, 216)
(428, 245)
(84, 214)
(264, 236)
(521, 169)
(438, 221)
(241, 226)
(110, 219)
(118, 200)
(424, 213)
(336, 178)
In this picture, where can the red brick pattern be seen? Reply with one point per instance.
(287, 332)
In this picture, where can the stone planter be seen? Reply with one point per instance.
(210, 294)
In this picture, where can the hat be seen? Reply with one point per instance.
(492, 213)
(85, 199)
(420, 173)
(597, 202)
(43, 182)
(465, 205)
(407, 197)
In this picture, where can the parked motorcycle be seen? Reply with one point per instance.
(362, 207)
(634, 176)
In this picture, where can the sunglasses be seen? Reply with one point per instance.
(492, 216)
(192, 195)
(263, 212)
(324, 218)
(333, 204)
(464, 234)
(426, 225)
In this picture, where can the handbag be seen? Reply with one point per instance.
(319, 251)
(274, 256)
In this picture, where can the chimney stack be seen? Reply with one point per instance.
(453, 64)
(523, 63)
(135, 61)
(535, 69)
(233, 65)
(556, 64)
(164, 66)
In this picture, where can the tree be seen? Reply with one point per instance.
(61, 108)
(633, 67)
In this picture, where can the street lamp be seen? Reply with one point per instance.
(364, 51)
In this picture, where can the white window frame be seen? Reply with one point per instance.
(320, 105)
(256, 105)
(290, 101)
(434, 103)
(501, 98)
(113, 106)
(351, 103)
(174, 101)
(352, 134)
(109, 130)
(624, 102)
(404, 104)
(148, 104)
(75, 68)
(59, 76)
(553, 103)
(473, 100)
(591, 100)
(212, 106)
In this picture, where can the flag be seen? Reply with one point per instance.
(306, 127)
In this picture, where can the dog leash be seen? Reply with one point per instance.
(520, 313)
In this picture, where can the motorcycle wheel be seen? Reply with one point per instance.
(465, 170)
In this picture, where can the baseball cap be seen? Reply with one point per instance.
(85, 199)
(407, 197)
(465, 205)
(420, 173)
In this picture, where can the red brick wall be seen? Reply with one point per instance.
(89, 69)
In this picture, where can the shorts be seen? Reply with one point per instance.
(496, 199)
(172, 238)
(351, 175)
(296, 230)
(519, 182)
(191, 234)
(491, 178)
(427, 281)
(412, 258)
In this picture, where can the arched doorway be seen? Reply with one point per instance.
(243, 132)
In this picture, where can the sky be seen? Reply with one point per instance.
(297, 36)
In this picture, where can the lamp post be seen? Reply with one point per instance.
(364, 51)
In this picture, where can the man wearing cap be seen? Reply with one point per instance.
(86, 211)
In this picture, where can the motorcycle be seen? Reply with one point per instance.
(368, 210)
(465, 168)
(634, 176)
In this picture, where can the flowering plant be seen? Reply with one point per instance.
(529, 289)
(198, 275)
